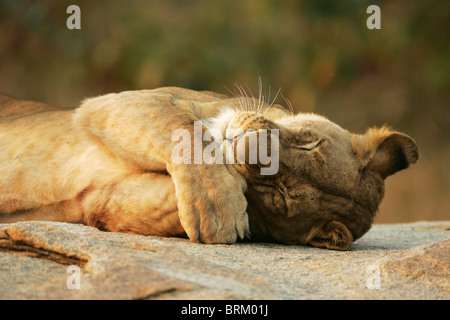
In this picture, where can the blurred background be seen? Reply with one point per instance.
(320, 53)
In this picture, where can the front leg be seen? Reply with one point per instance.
(212, 206)
(137, 127)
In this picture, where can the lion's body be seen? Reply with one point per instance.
(108, 164)
(50, 166)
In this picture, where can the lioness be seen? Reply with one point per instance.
(109, 164)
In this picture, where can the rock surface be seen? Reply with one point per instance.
(400, 261)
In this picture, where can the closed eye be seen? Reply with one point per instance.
(309, 146)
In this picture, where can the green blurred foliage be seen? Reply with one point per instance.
(319, 52)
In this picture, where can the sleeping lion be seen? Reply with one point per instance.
(110, 164)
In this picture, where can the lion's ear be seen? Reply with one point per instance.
(387, 152)
(396, 152)
(333, 235)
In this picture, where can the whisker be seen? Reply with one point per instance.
(232, 93)
(240, 95)
(276, 96)
(252, 97)
(273, 101)
(289, 104)
(260, 94)
(258, 104)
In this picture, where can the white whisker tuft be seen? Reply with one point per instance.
(260, 104)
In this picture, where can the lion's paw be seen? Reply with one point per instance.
(211, 204)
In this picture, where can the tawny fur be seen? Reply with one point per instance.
(108, 164)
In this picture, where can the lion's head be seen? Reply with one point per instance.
(329, 182)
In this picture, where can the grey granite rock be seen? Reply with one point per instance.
(399, 261)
